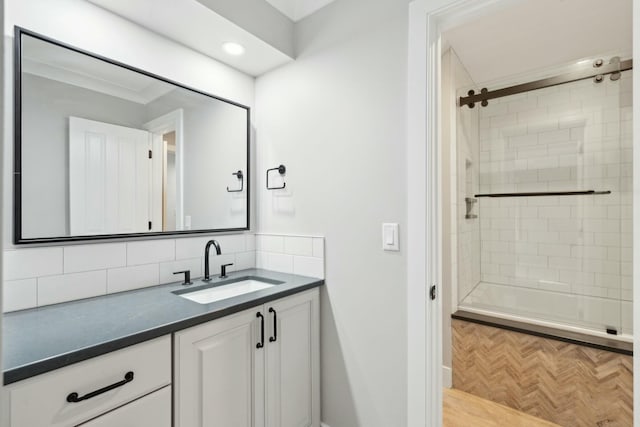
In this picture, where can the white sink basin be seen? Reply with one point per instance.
(218, 293)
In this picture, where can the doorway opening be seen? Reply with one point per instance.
(599, 312)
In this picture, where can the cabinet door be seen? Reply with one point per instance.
(292, 361)
(219, 376)
(153, 410)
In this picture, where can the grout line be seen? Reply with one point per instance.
(311, 236)
(174, 249)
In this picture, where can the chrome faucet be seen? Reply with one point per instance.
(206, 257)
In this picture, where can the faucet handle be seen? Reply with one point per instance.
(223, 270)
(187, 276)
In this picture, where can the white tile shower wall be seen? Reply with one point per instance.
(467, 172)
(40, 276)
(302, 255)
(575, 136)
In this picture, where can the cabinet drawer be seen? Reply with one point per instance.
(42, 401)
(153, 410)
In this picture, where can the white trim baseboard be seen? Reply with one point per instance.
(447, 377)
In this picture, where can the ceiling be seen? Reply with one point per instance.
(298, 9)
(540, 34)
(196, 26)
(67, 66)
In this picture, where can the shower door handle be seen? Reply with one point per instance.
(432, 292)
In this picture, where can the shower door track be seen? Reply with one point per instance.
(546, 193)
(579, 74)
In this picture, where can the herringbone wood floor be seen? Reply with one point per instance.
(568, 384)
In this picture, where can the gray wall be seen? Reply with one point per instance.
(46, 107)
(4, 413)
(337, 119)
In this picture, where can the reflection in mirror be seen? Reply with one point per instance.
(107, 150)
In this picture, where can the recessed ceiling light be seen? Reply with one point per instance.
(233, 48)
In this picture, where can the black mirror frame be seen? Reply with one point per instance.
(17, 155)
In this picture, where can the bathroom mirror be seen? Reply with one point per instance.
(105, 150)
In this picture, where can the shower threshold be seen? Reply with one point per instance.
(573, 337)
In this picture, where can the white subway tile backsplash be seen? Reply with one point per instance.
(42, 276)
(69, 287)
(19, 294)
(127, 278)
(261, 259)
(280, 262)
(32, 262)
(191, 247)
(231, 243)
(270, 243)
(250, 242)
(308, 266)
(94, 257)
(245, 260)
(150, 251)
(294, 245)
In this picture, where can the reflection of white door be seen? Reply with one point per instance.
(170, 122)
(109, 178)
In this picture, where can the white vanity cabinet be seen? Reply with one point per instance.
(256, 368)
(136, 372)
(153, 410)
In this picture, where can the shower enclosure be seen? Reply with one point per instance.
(543, 205)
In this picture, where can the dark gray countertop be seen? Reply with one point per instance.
(42, 339)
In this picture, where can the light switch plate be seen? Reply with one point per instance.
(390, 237)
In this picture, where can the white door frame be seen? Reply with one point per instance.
(427, 20)
(173, 121)
(636, 212)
